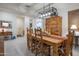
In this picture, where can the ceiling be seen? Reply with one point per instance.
(31, 8)
(21, 8)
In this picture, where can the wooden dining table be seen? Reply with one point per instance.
(55, 43)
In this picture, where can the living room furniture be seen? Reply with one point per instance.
(54, 25)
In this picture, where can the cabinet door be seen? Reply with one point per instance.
(54, 25)
(1, 48)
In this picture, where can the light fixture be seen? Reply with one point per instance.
(47, 11)
(46, 14)
(43, 15)
(73, 27)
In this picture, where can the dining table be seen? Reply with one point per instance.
(55, 43)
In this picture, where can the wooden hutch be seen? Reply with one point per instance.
(54, 25)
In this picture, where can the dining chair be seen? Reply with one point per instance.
(41, 48)
(38, 42)
(47, 48)
(69, 43)
(66, 48)
(29, 38)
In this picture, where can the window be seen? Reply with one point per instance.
(39, 23)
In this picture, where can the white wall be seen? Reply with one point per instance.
(27, 21)
(26, 24)
(72, 6)
(9, 17)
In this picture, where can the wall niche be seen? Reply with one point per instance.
(5, 24)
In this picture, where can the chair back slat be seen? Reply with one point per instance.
(38, 34)
(29, 37)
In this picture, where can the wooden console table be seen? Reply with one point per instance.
(6, 34)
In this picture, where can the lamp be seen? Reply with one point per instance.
(73, 28)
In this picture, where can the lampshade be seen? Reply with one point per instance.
(73, 27)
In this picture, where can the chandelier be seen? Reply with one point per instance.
(48, 11)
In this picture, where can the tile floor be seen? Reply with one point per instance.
(18, 47)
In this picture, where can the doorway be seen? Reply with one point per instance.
(20, 26)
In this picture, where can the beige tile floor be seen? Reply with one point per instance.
(18, 47)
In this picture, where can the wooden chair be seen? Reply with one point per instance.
(66, 48)
(46, 47)
(69, 44)
(38, 42)
(40, 47)
(46, 50)
(29, 38)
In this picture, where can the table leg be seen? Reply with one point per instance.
(49, 51)
(55, 50)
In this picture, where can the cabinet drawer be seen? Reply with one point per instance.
(1, 44)
(2, 50)
(1, 54)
